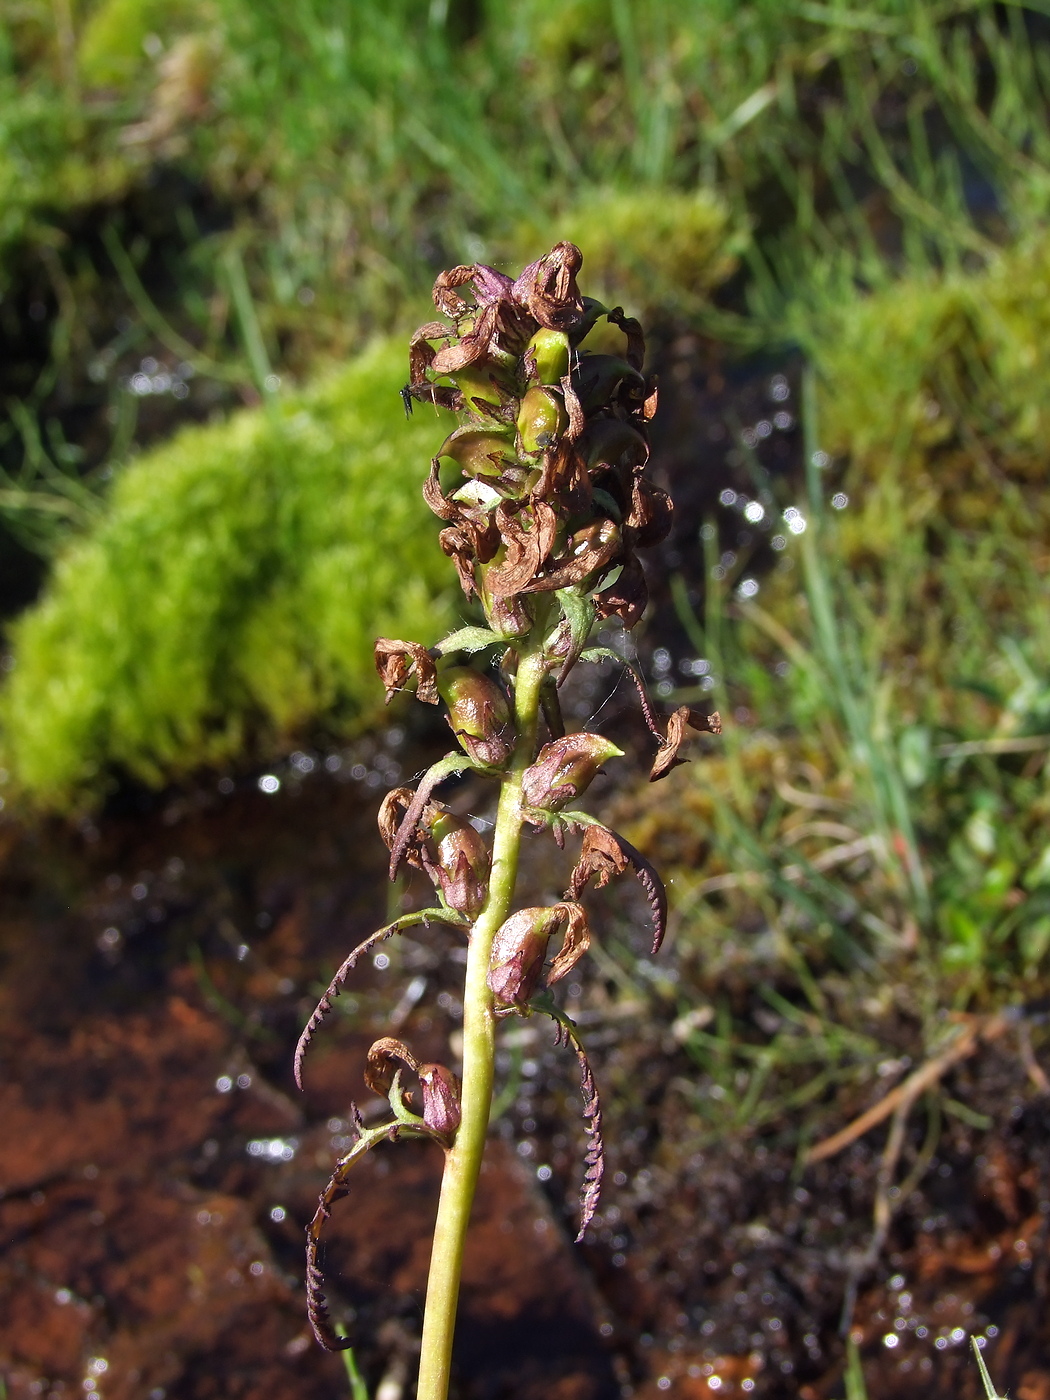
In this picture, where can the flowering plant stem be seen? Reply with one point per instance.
(546, 506)
(463, 1160)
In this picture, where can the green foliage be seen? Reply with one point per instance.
(930, 361)
(232, 593)
(886, 798)
(881, 177)
(361, 146)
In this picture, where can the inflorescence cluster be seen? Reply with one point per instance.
(545, 503)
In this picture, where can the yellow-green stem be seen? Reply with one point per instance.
(463, 1161)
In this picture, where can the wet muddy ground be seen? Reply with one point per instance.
(158, 1166)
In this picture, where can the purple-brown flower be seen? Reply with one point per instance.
(520, 947)
(564, 769)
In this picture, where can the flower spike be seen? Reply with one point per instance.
(544, 503)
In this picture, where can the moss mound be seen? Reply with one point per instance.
(233, 591)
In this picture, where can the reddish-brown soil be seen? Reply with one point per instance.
(158, 1167)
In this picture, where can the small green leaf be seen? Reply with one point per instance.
(469, 639)
(578, 612)
(597, 654)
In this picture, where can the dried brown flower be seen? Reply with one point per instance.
(520, 947)
(606, 853)
(683, 718)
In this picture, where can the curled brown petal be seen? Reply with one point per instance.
(547, 288)
(406, 832)
(381, 1064)
(435, 498)
(440, 1087)
(594, 547)
(606, 853)
(474, 346)
(527, 548)
(421, 353)
(576, 942)
(632, 329)
(489, 285)
(457, 545)
(577, 418)
(627, 597)
(565, 477)
(683, 718)
(445, 286)
(391, 814)
(396, 661)
(651, 513)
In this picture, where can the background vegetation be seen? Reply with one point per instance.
(205, 203)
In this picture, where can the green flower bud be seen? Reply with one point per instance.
(564, 769)
(479, 451)
(541, 419)
(550, 350)
(613, 443)
(476, 382)
(479, 713)
(603, 379)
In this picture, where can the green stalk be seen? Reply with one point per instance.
(463, 1160)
